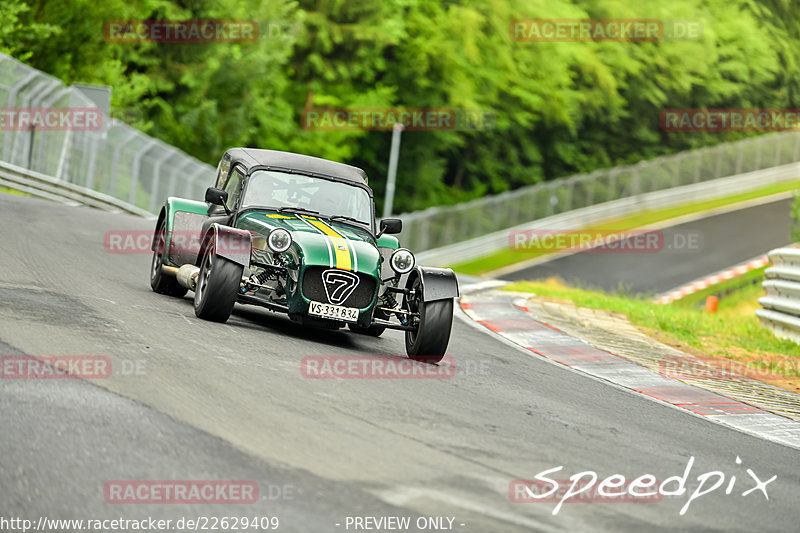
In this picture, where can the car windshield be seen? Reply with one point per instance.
(267, 188)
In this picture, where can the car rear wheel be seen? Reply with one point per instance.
(428, 342)
(160, 282)
(217, 285)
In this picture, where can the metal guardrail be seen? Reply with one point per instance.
(439, 227)
(781, 304)
(581, 218)
(42, 186)
(122, 163)
(114, 160)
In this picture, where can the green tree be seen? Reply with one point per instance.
(560, 107)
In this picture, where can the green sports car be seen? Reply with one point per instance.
(298, 235)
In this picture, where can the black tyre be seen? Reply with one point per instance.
(429, 342)
(217, 285)
(160, 282)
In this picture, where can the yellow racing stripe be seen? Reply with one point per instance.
(340, 247)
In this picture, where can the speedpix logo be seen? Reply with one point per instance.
(645, 488)
(339, 285)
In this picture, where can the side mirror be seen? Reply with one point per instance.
(216, 196)
(390, 226)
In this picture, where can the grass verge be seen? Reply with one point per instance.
(733, 332)
(506, 257)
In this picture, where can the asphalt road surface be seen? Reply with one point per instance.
(228, 401)
(683, 254)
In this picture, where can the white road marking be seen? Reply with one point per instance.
(481, 285)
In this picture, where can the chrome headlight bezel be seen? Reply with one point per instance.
(279, 233)
(400, 254)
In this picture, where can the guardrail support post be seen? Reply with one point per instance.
(42, 146)
(796, 154)
(157, 179)
(12, 100)
(136, 169)
(21, 151)
(94, 140)
(760, 143)
(173, 180)
(697, 167)
(115, 160)
(739, 157)
(197, 181)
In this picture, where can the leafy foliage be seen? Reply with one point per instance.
(560, 107)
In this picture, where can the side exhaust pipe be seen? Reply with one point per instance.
(187, 276)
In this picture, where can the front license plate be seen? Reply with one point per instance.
(337, 312)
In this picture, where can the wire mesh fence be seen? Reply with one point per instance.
(123, 162)
(107, 156)
(444, 225)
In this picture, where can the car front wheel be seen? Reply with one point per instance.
(428, 342)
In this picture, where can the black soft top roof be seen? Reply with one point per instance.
(253, 157)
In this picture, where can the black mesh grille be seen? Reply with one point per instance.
(313, 288)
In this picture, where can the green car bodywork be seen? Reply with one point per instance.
(310, 246)
(298, 235)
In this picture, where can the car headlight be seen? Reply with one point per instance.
(279, 240)
(402, 261)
